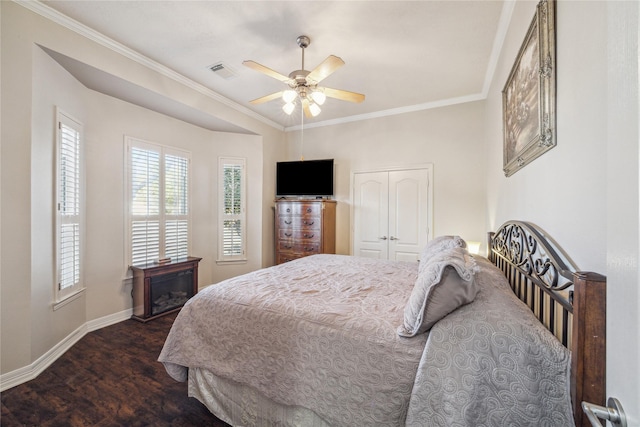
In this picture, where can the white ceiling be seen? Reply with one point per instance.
(403, 55)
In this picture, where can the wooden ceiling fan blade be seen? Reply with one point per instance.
(305, 108)
(266, 70)
(343, 95)
(267, 98)
(325, 69)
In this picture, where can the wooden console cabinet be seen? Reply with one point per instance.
(160, 289)
(304, 227)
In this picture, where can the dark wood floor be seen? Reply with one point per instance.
(111, 377)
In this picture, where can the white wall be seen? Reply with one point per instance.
(450, 138)
(16, 201)
(550, 190)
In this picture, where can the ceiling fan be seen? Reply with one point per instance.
(303, 84)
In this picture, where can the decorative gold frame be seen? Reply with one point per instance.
(529, 96)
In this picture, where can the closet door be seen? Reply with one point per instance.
(391, 214)
(371, 215)
(408, 226)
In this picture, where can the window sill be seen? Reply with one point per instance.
(68, 299)
(231, 262)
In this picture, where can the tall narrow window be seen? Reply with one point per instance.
(69, 206)
(158, 184)
(232, 226)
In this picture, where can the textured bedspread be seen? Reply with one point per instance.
(320, 332)
(491, 363)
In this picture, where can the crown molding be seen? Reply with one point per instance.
(53, 15)
(505, 18)
(391, 112)
(498, 42)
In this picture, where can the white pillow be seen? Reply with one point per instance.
(446, 282)
(439, 244)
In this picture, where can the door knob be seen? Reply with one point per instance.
(383, 238)
(393, 238)
(613, 413)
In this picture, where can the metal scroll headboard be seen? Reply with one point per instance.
(572, 305)
(537, 274)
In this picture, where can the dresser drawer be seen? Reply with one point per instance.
(299, 235)
(299, 209)
(287, 256)
(304, 248)
(296, 222)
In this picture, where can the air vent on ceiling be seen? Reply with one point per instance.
(223, 70)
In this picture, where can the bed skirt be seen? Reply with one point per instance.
(241, 405)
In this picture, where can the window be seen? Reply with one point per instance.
(232, 226)
(69, 207)
(158, 199)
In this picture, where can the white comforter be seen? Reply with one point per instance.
(320, 332)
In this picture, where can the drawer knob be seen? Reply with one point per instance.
(288, 222)
(308, 236)
(288, 234)
(308, 222)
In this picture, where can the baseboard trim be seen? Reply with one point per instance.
(109, 320)
(27, 373)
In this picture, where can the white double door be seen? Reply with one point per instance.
(391, 213)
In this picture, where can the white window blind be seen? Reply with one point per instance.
(176, 206)
(69, 205)
(145, 205)
(159, 202)
(232, 241)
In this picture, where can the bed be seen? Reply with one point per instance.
(516, 338)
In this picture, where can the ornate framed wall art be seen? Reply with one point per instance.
(529, 96)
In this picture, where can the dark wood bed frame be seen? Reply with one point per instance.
(571, 304)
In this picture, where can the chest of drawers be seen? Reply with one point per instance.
(304, 227)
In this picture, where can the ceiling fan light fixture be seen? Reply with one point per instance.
(289, 95)
(318, 96)
(314, 109)
(288, 108)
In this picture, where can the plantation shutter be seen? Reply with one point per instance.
(69, 204)
(145, 205)
(159, 202)
(233, 209)
(176, 206)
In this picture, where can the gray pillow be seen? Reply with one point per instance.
(446, 282)
(439, 244)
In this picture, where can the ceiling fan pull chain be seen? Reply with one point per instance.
(301, 135)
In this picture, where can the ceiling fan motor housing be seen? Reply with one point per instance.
(303, 41)
(299, 77)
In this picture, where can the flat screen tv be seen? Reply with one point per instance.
(306, 178)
